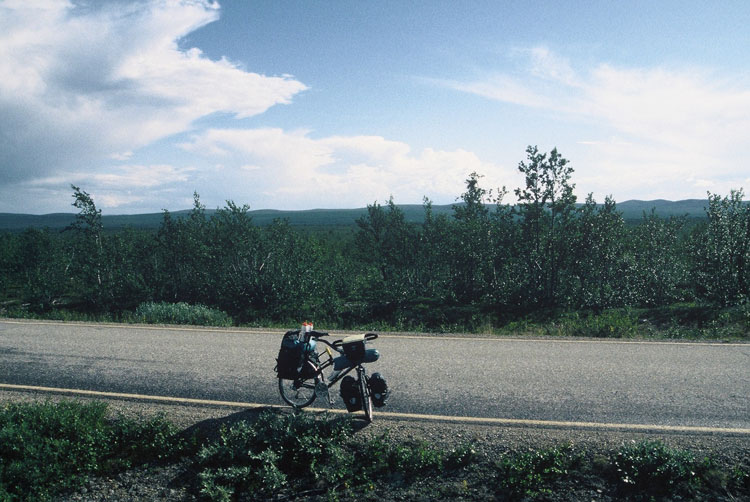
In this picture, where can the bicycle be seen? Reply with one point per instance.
(310, 380)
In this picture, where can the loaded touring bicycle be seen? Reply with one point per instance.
(308, 366)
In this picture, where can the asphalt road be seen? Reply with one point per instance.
(665, 384)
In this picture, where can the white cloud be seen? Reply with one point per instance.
(136, 176)
(290, 170)
(664, 130)
(504, 88)
(83, 84)
(122, 187)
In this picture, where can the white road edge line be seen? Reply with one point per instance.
(382, 335)
(415, 416)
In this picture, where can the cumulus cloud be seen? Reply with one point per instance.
(294, 170)
(83, 84)
(667, 129)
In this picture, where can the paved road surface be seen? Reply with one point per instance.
(672, 384)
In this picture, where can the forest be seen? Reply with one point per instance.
(489, 263)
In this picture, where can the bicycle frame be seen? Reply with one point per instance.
(329, 363)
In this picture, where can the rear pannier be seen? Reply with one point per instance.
(296, 358)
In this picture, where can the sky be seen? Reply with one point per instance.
(302, 104)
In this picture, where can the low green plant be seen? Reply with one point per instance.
(47, 448)
(381, 457)
(607, 324)
(63, 314)
(180, 313)
(739, 480)
(652, 469)
(530, 474)
(273, 452)
(302, 451)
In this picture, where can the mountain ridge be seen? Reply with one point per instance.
(631, 210)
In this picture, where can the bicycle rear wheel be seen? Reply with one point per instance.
(298, 393)
(364, 391)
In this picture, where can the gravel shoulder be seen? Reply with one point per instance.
(166, 483)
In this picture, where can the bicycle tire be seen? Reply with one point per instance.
(364, 391)
(298, 393)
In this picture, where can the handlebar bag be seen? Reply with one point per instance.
(354, 348)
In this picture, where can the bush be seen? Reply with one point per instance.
(299, 451)
(181, 313)
(607, 324)
(531, 474)
(275, 451)
(650, 468)
(380, 457)
(49, 448)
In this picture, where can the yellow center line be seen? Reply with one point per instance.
(394, 415)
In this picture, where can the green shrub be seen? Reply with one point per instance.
(49, 448)
(614, 323)
(263, 457)
(380, 457)
(181, 313)
(650, 468)
(739, 480)
(530, 474)
(299, 451)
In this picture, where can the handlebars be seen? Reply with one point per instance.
(338, 343)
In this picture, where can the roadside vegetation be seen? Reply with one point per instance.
(546, 265)
(52, 449)
(49, 448)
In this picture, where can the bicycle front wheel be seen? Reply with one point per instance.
(298, 393)
(364, 391)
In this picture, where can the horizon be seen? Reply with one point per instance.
(302, 105)
(357, 208)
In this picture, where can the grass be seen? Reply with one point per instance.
(688, 321)
(147, 313)
(680, 321)
(180, 313)
(49, 449)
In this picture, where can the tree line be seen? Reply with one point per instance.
(488, 262)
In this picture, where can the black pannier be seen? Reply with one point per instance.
(378, 389)
(350, 394)
(291, 362)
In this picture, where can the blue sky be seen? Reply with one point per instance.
(326, 104)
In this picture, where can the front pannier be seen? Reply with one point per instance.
(350, 394)
(378, 389)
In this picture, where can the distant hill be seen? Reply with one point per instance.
(692, 208)
(631, 210)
